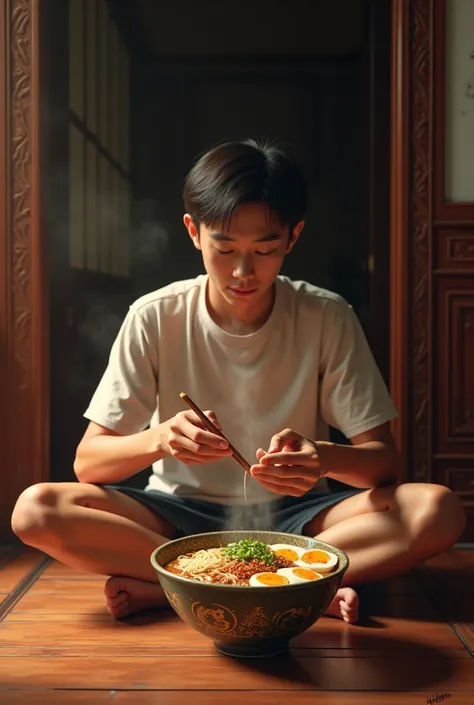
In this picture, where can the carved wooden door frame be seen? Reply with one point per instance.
(401, 238)
(24, 361)
(24, 401)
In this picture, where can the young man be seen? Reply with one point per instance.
(276, 362)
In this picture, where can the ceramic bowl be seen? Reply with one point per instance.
(247, 621)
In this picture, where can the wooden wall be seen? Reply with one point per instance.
(432, 318)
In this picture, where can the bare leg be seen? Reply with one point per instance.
(99, 531)
(388, 531)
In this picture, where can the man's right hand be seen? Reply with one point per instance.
(187, 439)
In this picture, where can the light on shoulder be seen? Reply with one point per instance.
(95, 429)
(380, 433)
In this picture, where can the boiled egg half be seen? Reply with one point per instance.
(317, 559)
(285, 550)
(268, 580)
(299, 575)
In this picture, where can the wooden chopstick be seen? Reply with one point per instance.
(239, 458)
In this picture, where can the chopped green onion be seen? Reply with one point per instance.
(249, 550)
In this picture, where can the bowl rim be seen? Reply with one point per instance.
(246, 588)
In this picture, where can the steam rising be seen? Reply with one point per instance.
(254, 517)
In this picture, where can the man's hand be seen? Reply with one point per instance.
(186, 438)
(293, 463)
(291, 466)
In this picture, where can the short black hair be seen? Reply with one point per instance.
(235, 173)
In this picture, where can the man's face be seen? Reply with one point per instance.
(244, 261)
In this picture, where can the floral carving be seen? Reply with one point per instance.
(420, 231)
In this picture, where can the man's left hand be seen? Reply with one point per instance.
(291, 466)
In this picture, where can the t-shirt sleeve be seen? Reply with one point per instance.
(354, 397)
(126, 397)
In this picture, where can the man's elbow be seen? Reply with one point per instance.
(392, 473)
(80, 469)
(83, 469)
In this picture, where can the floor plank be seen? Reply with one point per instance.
(430, 671)
(65, 596)
(231, 697)
(385, 632)
(18, 569)
(206, 649)
(466, 633)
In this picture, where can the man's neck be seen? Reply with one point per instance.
(235, 319)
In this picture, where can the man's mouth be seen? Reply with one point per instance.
(242, 292)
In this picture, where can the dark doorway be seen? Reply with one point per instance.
(316, 79)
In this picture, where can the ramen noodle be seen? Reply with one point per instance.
(256, 564)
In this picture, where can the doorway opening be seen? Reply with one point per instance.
(149, 86)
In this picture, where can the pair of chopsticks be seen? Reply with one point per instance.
(210, 426)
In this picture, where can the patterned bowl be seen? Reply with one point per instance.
(247, 621)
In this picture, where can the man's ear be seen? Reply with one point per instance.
(295, 235)
(192, 230)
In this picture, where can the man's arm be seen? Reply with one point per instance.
(371, 461)
(105, 456)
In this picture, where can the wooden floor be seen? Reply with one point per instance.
(59, 646)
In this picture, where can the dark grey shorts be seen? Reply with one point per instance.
(195, 516)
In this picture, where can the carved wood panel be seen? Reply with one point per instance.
(458, 474)
(23, 321)
(454, 248)
(455, 371)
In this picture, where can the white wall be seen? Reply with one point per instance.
(459, 183)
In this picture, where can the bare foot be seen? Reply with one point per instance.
(345, 605)
(126, 596)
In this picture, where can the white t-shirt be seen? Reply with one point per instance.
(309, 366)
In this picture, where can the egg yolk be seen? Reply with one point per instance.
(305, 573)
(315, 557)
(287, 553)
(272, 579)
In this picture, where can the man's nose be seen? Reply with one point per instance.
(243, 268)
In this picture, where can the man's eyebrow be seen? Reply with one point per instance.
(223, 237)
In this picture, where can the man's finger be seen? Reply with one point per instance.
(195, 420)
(212, 417)
(291, 490)
(284, 472)
(288, 458)
(279, 440)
